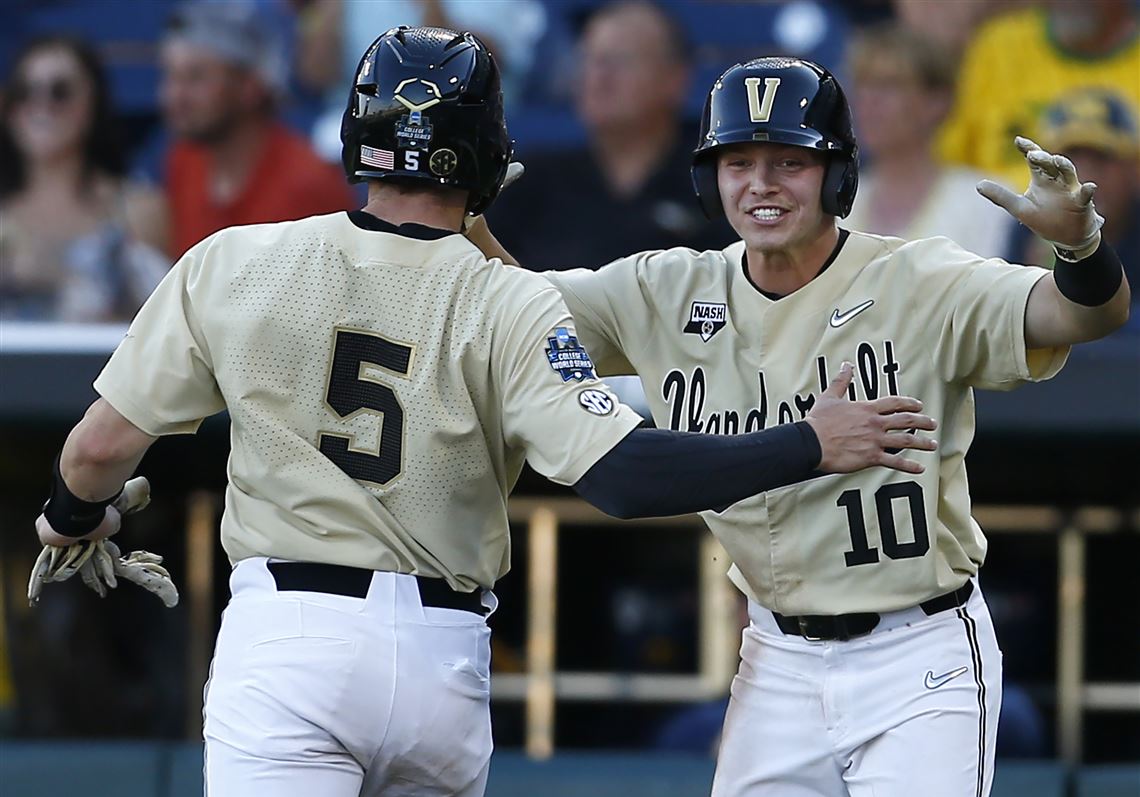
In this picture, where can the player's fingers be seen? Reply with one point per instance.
(889, 404)
(39, 569)
(514, 172)
(909, 420)
(1025, 145)
(134, 497)
(838, 387)
(1086, 193)
(918, 442)
(1044, 161)
(1067, 170)
(105, 566)
(1012, 203)
(899, 462)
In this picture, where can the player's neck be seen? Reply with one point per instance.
(783, 271)
(442, 210)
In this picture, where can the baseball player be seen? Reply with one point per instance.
(869, 666)
(385, 382)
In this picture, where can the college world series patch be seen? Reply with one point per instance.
(566, 356)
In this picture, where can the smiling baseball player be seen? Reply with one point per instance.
(385, 382)
(870, 666)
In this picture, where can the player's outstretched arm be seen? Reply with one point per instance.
(1087, 296)
(480, 234)
(657, 472)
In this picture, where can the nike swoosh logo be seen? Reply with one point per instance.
(934, 681)
(838, 319)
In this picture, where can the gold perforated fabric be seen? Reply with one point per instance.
(384, 392)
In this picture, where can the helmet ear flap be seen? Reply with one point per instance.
(706, 187)
(839, 184)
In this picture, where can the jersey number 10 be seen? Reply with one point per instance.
(861, 552)
(350, 392)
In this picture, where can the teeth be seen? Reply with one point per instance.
(767, 213)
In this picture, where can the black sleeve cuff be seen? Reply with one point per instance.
(1092, 281)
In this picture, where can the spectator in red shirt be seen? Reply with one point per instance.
(234, 162)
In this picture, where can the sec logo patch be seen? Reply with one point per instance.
(596, 402)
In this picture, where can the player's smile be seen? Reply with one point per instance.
(770, 193)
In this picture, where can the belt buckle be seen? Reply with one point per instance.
(801, 621)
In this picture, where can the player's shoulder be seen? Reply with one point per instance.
(662, 270)
(269, 233)
(240, 247)
(919, 265)
(888, 248)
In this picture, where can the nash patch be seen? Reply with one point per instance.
(706, 319)
(566, 356)
(413, 131)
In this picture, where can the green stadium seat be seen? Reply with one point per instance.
(185, 763)
(67, 769)
(1109, 780)
(600, 775)
(1029, 779)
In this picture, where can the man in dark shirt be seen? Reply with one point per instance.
(635, 167)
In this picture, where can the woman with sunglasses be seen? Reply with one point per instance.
(71, 246)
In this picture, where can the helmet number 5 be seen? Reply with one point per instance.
(760, 108)
(354, 387)
(412, 160)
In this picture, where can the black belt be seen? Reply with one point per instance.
(846, 626)
(353, 582)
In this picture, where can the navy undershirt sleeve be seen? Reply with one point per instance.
(657, 472)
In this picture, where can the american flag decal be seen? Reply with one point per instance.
(380, 158)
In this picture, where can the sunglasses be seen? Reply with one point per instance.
(59, 91)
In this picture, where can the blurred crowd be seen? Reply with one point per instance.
(126, 144)
(129, 132)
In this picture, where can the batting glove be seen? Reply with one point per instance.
(99, 562)
(1057, 205)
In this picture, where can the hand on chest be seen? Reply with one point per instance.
(724, 375)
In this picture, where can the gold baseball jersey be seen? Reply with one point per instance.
(715, 355)
(384, 391)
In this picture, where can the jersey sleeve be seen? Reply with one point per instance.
(554, 406)
(978, 317)
(607, 307)
(160, 378)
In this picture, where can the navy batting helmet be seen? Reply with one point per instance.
(426, 105)
(786, 100)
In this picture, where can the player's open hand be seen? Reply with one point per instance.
(854, 435)
(1057, 205)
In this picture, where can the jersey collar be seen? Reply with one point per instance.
(366, 221)
(777, 296)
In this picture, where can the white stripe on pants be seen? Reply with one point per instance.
(856, 718)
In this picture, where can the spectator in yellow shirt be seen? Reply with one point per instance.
(1022, 62)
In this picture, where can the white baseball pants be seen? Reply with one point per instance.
(315, 694)
(909, 709)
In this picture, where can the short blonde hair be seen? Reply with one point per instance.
(933, 63)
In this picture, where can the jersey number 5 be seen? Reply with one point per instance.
(351, 391)
(861, 552)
